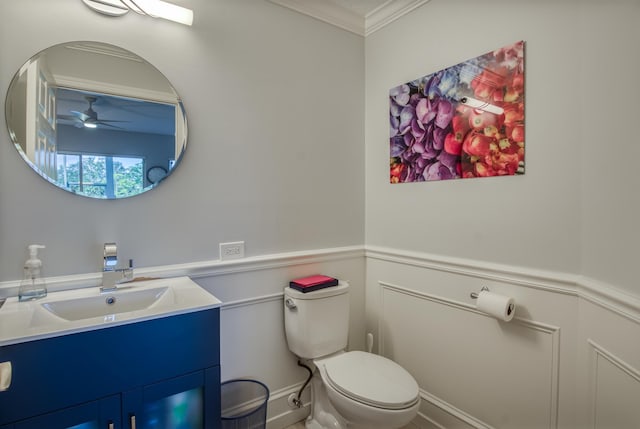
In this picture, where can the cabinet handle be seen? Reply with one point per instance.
(132, 421)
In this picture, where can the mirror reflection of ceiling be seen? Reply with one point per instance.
(116, 113)
(92, 64)
(96, 120)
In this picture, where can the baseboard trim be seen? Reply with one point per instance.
(453, 411)
(280, 414)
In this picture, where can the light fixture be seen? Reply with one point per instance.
(153, 8)
(482, 105)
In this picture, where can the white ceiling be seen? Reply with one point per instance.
(362, 17)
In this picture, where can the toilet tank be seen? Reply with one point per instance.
(317, 323)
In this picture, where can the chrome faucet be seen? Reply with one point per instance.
(112, 276)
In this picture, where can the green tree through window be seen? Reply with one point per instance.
(100, 176)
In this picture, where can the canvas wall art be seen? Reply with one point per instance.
(461, 122)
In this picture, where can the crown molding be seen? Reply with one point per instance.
(346, 19)
(389, 12)
(327, 12)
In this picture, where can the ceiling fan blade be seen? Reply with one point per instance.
(68, 117)
(104, 123)
(80, 115)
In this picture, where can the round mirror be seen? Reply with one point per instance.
(96, 120)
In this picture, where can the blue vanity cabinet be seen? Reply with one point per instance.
(102, 414)
(161, 374)
(181, 403)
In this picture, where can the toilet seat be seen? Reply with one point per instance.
(372, 380)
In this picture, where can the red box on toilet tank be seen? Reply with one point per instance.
(311, 283)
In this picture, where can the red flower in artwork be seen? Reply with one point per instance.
(495, 146)
(396, 171)
(476, 144)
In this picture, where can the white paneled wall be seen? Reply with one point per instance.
(609, 388)
(458, 353)
(562, 362)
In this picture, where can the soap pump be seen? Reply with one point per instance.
(33, 285)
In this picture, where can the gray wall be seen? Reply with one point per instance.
(274, 104)
(576, 208)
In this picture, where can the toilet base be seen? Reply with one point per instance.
(323, 415)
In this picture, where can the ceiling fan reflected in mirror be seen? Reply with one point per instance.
(89, 118)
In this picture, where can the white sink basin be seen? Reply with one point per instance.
(78, 310)
(108, 304)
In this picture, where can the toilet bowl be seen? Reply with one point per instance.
(348, 389)
(367, 390)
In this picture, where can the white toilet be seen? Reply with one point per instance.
(349, 389)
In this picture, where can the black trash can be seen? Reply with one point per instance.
(244, 404)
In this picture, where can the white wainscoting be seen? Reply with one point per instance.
(544, 369)
(569, 359)
(451, 347)
(615, 390)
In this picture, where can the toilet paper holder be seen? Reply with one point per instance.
(511, 308)
(474, 295)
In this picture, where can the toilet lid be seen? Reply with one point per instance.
(372, 379)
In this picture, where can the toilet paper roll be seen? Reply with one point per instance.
(499, 306)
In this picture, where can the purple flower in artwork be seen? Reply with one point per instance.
(400, 94)
(442, 84)
(445, 113)
(406, 116)
(397, 146)
(420, 120)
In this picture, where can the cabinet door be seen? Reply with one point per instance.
(101, 414)
(191, 401)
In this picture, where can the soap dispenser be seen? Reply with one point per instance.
(32, 285)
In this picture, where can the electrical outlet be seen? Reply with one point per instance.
(234, 250)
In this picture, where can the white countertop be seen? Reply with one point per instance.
(30, 320)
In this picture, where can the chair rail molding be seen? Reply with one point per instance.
(202, 269)
(597, 292)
